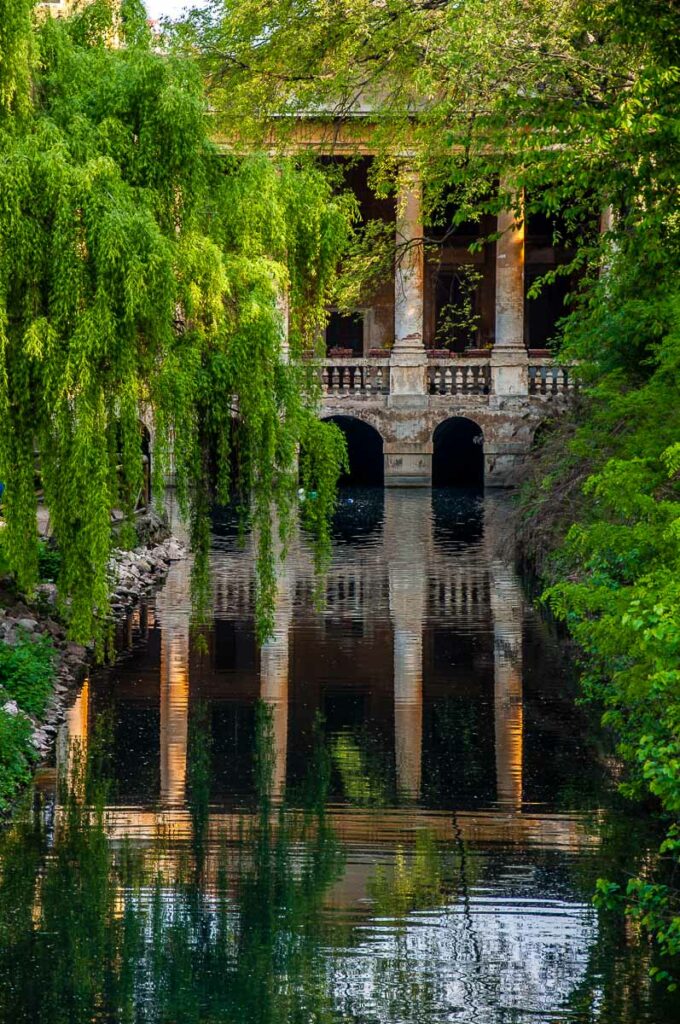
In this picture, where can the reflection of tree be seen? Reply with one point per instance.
(94, 931)
(365, 779)
(421, 878)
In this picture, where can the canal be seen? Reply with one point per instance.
(393, 814)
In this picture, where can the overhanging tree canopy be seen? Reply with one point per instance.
(140, 270)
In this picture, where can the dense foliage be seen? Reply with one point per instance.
(26, 678)
(142, 277)
(573, 106)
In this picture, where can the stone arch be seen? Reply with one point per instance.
(365, 451)
(458, 453)
(147, 451)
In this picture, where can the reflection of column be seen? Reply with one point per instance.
(509, 355)
(174, 613)
(407, 542)
(73, 734)
(274, 678)
(507, 608)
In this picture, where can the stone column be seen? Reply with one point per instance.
(507, 608)
(408, 360)
(274, 658)
(71, 745)
(407, 541)
(174, 604)
(509, 360)
(408, 458)
(283, 307)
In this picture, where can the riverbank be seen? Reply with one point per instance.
(40, 667)
(598, 524)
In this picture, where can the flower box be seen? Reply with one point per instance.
(379, 353)
(477, 353)
(340, 353)
(540, 353)
(438, 353)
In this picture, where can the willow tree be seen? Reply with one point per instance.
(142, 274)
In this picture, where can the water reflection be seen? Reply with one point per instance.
(385, 815)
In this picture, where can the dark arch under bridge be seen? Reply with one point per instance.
(365, 451)
(458, 453)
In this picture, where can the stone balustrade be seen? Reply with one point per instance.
(459, 377)
(356, 377)
(545, 378)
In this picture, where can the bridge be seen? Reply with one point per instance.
(458, 414)
(456, 426)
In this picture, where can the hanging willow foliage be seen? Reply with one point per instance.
(141, 275)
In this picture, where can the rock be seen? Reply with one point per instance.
(54, 629)
(48, 592)
(30, 625)
(11, 708)
(76, 651)
(174, 552)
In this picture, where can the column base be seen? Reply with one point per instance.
(408, 371)
(410, 466)
(510, 371)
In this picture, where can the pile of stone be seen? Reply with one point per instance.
(135, 573)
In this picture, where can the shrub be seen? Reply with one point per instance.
(26, 672)
(16, 755)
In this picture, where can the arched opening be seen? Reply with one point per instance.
(144, 498)
(365, 451)
(458, 454)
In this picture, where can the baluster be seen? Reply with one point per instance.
(446, 378)
(465, 374)
(544, 380)
(379, 380)
(532, 380)
(368, 373)
(335, 370)
(458, 390)
(324, 380)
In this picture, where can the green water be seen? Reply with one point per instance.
(392, 814)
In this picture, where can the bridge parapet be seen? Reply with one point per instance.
(548, 378)
(463, 376)
(357, 377)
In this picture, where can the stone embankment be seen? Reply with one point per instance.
(134, 575)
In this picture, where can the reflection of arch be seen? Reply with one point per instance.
(365, 451)
(458, 454)
(145, 496)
